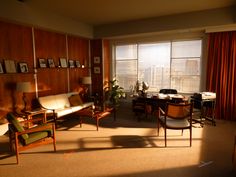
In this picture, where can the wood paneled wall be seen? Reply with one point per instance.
(100, 48)
(17, 42)
(97, 78)
(107, 61)
(78, 50)
(50, 45)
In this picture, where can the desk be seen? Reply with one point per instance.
(148, 105)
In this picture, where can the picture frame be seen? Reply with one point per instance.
(71, 63)
(51, 63)
(96, 70)
(63, 63)
(42, 63)
(23, 67)
(1, 68)
(77, 64)
(10, 66)
(96, 60)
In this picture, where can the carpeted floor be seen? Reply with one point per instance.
(126, 147)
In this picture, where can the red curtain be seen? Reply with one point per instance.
(221, 73)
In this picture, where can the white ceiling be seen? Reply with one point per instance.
(99, 12)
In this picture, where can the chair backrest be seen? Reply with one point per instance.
(16, 124)
(168, 91)
(179, 111)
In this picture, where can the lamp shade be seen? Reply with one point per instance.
(86, 80)
(23, 87)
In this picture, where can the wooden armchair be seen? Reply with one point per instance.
(23, 139)
(177, 117)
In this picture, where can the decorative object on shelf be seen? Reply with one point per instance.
(1, 68)
(24, 87)
(97, 60)
(63, 63)
(77, 63)
(10, 66)
(42, 63)
(96, 70)
(145, 87)
(71, 63)
(51, 63)
(23, 67)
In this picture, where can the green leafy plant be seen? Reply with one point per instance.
(114, 92)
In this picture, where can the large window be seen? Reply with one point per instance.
(162, 65)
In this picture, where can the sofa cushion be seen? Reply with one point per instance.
(63, 112)
(48, 102)
(75, 100)
(62, 101)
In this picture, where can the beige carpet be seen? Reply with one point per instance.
(126, 148)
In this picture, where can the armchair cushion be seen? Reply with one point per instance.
(12, 119)
(35, 137)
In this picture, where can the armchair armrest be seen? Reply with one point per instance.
(31, 120)
(37, 129)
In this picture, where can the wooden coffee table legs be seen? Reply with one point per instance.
(97, 115)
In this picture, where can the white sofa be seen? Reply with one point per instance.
(3, 128)
(61, 105)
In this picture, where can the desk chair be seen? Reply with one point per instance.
(177, 117)
(168, 91)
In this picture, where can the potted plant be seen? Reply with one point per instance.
(113, 93)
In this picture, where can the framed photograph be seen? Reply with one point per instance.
(71, 63)
(77, 63)
(51, 63)
(42, 63)
(97, 60)
(10, 66)
(63, 63)
(23, 67)
(96, 70)
(1, 68)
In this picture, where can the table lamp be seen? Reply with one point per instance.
(24, 87)
(86, 80)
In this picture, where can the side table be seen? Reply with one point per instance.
(36, 112)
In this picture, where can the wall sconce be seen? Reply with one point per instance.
(24, 87)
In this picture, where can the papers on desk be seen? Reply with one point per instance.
(168, 96)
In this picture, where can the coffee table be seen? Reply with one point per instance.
(95, 114)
